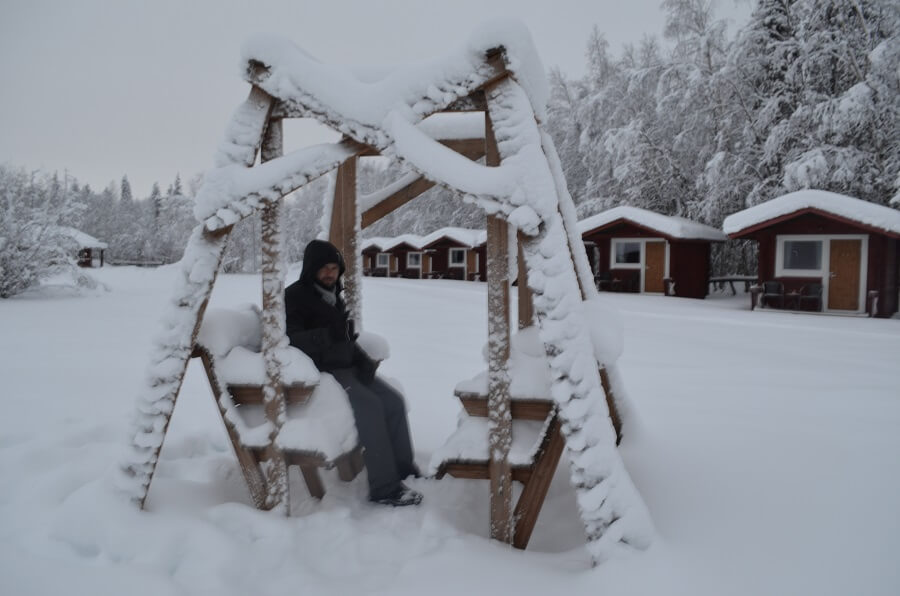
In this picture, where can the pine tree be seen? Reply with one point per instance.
(125, 190)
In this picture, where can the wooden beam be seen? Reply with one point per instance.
(471, 148)
(491, 72)
(256, 481)
(535, 491)
(526, 299)
(499, 416)
(273, 333)
(342, 234)
(474, 102)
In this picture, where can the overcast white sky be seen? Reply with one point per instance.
(145, 88)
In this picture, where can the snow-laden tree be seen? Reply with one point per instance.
(849, 117)
(34, 211)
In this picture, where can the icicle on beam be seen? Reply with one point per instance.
(273, 336)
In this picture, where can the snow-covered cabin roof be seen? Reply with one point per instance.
(413, 240)
(378, 242)
(81, 239)
(666, 225)
(868, 214)
(464, 236)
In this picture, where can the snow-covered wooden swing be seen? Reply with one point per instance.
(437, 119)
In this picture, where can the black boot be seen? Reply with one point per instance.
(401, 497)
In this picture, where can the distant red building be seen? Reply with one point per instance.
(843, 248)
(455, 253)
(636, 250)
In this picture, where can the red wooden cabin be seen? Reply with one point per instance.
(636, 250)
(407, 259)
(455, 253)
(375, 261)
(843, 248)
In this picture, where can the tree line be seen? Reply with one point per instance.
(697, 124)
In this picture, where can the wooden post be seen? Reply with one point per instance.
(273, 335)
(499, 415)
(526, 304)
(342, 234)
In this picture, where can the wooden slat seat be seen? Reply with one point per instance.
(534, 474)
(475, 404)
(251, 395)
(249, 399)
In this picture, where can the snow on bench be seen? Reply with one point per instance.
(319, 417)
(531, 407)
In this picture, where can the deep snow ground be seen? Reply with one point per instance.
(766, 446)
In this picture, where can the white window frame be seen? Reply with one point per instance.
(613, 264)
(409, 264)
(824, 273)
(385, 257)
(450, 254)
(642, 265)
(780, 271)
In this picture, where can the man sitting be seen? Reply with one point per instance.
(318, 324)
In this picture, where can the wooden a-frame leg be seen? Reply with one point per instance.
(313, 481)
(535, 490)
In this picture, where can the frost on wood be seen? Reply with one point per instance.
(611, 508)
(273, 342)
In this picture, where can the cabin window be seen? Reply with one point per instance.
(457, 257)
(382, 259)
(802, 255)
(626, 254)
(414, 260)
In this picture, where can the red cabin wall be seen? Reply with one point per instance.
(689, 267)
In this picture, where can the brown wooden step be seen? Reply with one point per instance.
(252, 395)
(520, 409)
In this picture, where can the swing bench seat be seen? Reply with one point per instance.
(535, 453)
(318, 433)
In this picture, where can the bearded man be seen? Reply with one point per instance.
(318, 324)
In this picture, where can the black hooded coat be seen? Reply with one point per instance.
(324, 332)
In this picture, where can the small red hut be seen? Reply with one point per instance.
(375, 261)
(636, 250)
(91, 252)
(406, 256)
(824, 251)
(455, 253)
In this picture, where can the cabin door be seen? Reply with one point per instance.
(844, 274)
(654, 267)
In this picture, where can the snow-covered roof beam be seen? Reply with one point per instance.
(376, 205)
(271, 63)
(232, 192)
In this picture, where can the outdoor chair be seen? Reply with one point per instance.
(772, 294)
(811, 296)
(603, 280)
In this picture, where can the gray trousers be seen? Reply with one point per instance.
(383, 429)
